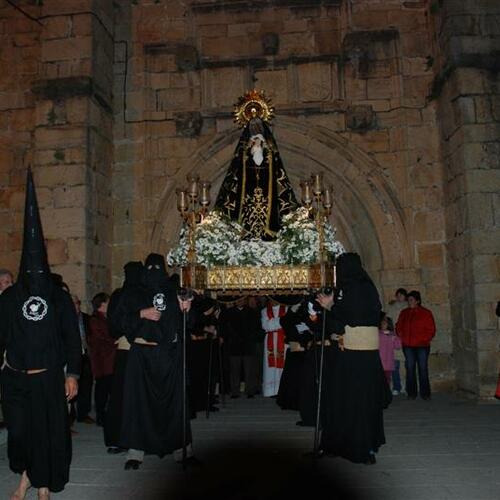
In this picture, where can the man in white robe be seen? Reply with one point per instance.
(274, 348)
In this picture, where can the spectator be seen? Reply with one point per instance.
(84, 398)
(6, 279)
(394, 308)
(241, 331)
(389, 343)
(102, 350)
(416, 329)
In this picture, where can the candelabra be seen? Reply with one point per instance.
(318, 200)
(192, 204)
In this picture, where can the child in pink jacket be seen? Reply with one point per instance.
(388, 343)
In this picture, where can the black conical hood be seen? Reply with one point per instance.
(34, 255)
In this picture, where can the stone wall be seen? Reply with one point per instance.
(467, 88)
(58, 102)
(395, 101)
(351, 83)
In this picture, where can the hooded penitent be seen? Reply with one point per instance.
(256, 191)
(133, 273)
(34, 271)
(39, 332)
(356, 299)
(155, 272)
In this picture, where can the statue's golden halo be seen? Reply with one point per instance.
(254, 104)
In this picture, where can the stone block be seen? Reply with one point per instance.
(485, 241)
(429, 226)
(177, 99)
(430, 255)
(415, 44)
(188, 124)
(70, 196)
(356, 89)
(270, 44)
(57, 251)
(65, 49)
(315, 82)
(275, 83)
(69, 175)
(360, 117)
(381, 88)
(64, 222)
(295, 44)
(482, 181)
(224, 86)
(60, 137)
(56, 27)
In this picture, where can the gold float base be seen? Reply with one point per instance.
(258, 280)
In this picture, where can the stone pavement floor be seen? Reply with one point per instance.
(443, 449)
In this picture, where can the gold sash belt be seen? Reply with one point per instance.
(295, 347)
(361, 338)
(122, 344)
(141, 341)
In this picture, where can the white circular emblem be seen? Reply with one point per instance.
(35, 309)
(159, 302)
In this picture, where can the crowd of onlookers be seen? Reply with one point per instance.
(406, 331)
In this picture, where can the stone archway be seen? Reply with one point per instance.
(366, 212)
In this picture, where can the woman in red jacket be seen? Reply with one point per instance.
(416, 329)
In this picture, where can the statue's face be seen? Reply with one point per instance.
(257, 142)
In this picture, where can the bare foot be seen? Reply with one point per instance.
(23, 487)
(43, 494)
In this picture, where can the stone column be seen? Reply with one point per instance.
(73, 140)
(468, 92)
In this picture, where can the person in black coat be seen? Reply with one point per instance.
(39, 338)
(113, 420)
(203, 357)
(297, 336)
(152, 321)
(356, 390)
(241, 331)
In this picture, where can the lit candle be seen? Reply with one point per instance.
(306, 192)
(205, 193)
(182, 201)
(193, 185)
(317, 182)
(327, 198)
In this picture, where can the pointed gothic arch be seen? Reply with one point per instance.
(366, 211)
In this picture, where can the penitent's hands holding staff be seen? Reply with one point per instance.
(153, 314)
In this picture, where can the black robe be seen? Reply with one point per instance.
(291, 378)
(256, 196)
(153, 398)
(355, 389)
(202, 358)
(35, 405)
(114, 411)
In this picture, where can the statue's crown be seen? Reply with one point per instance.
(254, 104)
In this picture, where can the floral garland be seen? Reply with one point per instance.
(218, 241)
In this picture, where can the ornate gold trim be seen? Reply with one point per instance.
(254, 104)
(260, 280)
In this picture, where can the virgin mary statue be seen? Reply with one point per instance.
(256, 191)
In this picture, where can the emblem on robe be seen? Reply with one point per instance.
(159, 302)
(35, 308)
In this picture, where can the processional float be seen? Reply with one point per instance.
(253, 197)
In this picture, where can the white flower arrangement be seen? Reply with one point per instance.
(218, 241)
